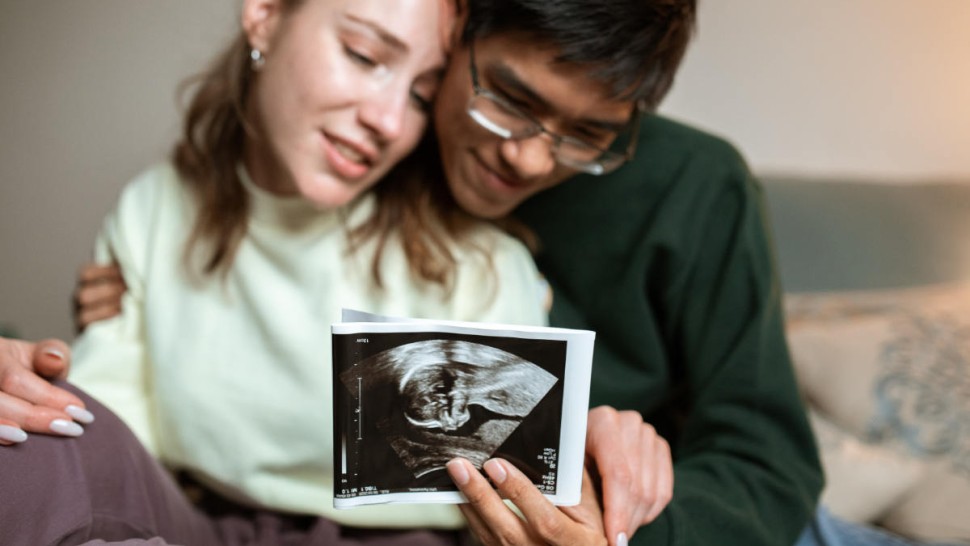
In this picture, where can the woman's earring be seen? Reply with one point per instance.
(257, 60)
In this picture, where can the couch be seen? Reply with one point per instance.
(877, 301)
(877, 295)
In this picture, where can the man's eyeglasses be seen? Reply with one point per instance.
(504, 119)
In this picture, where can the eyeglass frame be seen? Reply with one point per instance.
(595, 167)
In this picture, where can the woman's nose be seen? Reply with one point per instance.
(383, 112)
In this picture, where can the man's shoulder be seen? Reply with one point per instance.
(671, 158)
(667, 145)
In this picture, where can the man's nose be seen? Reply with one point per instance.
(530, 158)
(382, 111)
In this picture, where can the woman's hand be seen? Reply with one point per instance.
(97, 295)
(634, 468)
(495, 524)
(28, 402)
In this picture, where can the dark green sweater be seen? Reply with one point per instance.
(670, 262)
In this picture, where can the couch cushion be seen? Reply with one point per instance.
(863, 480)
(893, 369)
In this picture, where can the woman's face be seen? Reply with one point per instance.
(344, 92)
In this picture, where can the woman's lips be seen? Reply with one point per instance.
(345, 159)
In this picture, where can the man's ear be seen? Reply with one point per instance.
(259, 21)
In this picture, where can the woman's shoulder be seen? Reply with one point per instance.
(160, 177)
(158, 185)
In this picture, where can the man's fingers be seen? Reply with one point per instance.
(635, 468)
(618, 467)
(90, 273)
(51, 358)
(99, 292)
(646, 495)
(664, 481)
(88, 315)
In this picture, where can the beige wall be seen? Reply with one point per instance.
(871, 87)
(834, 87)
(87, 100)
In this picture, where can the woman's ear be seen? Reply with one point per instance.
(450, 23)
(461, 16)
(259, 21)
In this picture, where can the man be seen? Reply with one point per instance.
(668, 259)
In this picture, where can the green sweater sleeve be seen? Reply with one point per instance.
(669, 260)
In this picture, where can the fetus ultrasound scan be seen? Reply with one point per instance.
(410, 402)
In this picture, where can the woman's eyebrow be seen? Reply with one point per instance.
(385, 35)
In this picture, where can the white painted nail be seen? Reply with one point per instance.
(67, 428)
(80, 414)
(12, 434)
(621, 539)
(54, 353)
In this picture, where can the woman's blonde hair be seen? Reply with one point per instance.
(413, 201)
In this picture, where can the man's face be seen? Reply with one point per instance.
(488, 175)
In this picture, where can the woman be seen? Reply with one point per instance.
(240, 253)
(284, 153)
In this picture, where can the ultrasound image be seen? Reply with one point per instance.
(436, 399)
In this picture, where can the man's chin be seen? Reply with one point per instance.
(477, 206)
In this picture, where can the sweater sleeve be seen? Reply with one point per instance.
(110, 358)
(746, 469)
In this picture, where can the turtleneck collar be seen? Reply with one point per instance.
(293, 212)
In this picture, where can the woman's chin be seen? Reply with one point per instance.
(328, 193)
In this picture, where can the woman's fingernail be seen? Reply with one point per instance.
(621, 539)
(495, 470)
(67, 428)
(54, 353)
(458, 471)
(80, 414)
(12, 434)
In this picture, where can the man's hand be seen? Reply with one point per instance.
(496, 525)
(635, 470)
(28, 402)
(97, 295)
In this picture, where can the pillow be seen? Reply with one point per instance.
(893, 369)
(862, 480)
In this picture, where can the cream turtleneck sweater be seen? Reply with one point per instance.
(231, 379)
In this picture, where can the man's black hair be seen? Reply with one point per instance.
(632, 46)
